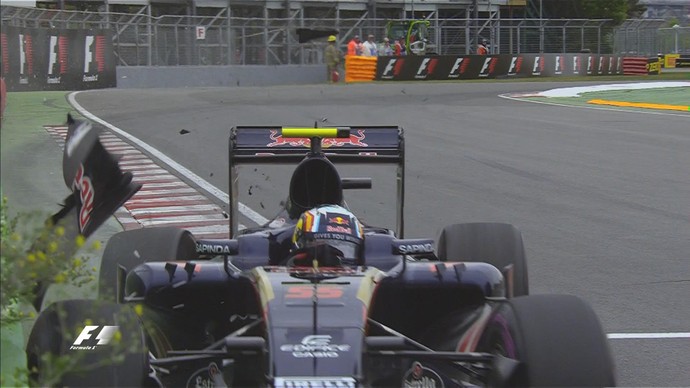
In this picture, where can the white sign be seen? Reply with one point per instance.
(200, 32)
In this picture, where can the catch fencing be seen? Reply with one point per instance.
(650, 37)
(140, 39)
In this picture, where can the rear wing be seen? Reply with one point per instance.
(351, 145)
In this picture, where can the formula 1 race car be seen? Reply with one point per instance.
(454, 311)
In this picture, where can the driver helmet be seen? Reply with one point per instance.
(332, 227)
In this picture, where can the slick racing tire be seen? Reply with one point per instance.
(87, 343)
(494, 243)
(126, 250)
(557, 340)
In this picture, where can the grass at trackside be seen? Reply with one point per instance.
(668, 96)
(34, 109)
(24, 117)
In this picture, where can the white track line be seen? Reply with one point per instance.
(199, 181)
(647, 335)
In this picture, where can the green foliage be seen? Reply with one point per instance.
(672, 22)
(30, 253)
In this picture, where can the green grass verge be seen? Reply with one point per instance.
(22, 123)
(34, 109)
(32, 180)
(669, 96)
(22, 132)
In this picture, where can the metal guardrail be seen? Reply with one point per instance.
(140, 39)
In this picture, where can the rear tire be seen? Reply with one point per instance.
(497, 244)
(128, 249)
(557, 339)
(62, 323)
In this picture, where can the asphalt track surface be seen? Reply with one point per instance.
(601, 196)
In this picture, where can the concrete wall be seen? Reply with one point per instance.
(194, 76)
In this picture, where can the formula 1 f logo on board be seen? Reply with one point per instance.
(426, 68)
(515, 65)
(393, 68)
(94, 57)
(459, 67)
(488, 66)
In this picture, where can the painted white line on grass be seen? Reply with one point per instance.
(647, 335)
(199, 181)
(544, 101)
(577, 91)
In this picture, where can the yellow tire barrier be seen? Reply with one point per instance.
(360, 69)
(681, 108)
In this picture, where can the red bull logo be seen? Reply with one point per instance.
(82, 182)
(338, 229)
(352, 141)
(339, 221)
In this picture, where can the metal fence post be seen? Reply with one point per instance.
(149, 34)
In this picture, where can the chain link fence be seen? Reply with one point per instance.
(650, 37)
(141, 39)
(675, 40)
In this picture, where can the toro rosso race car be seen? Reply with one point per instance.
(448, 312)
